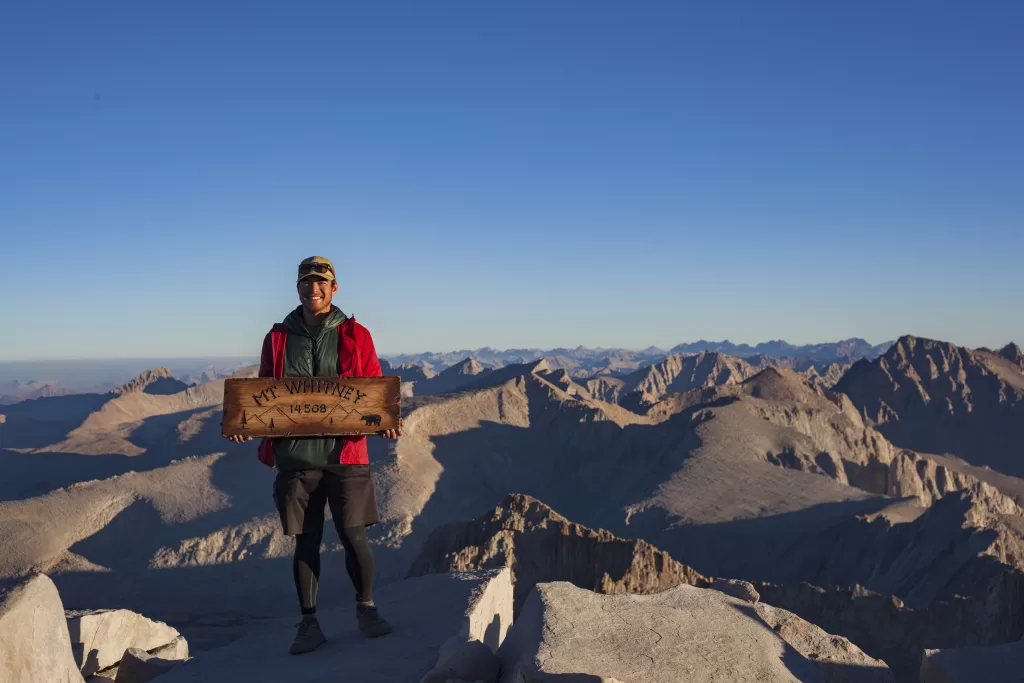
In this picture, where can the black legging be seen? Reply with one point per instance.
(358, 562)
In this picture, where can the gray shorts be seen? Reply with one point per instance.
(301, 495)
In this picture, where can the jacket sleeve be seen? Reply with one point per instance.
(267, 358)
(371, 364)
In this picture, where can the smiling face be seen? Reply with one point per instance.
(315, 294)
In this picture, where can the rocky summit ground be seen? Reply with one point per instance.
(880, 506)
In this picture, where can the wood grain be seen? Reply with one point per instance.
(310, 406)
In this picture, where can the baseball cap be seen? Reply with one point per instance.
(316, 267)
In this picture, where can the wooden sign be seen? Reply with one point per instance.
(310, 406)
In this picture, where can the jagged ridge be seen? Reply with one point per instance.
(937, 397)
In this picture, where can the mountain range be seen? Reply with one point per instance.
(36, 379)
(583, 360)
(880, 500)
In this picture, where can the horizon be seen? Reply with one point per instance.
(504, 349)
(510, 176)
(497, 349)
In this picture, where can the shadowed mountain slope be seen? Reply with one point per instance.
(936, 397)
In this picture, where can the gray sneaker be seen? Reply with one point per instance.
(309, 637)
(371, 622)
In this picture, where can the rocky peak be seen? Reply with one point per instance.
(778, 384)
(155, 381)
(469, 366)
(415, 368)
(936, 397)
(905, 347)
(1012, 353)
(825, 378)
(677, 374)
(538, 367)
(928, 356)
(541, 545)
(916, 369)
(409, 372)
(852, 349)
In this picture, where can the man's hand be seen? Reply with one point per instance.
(238, 438)
(394, 433)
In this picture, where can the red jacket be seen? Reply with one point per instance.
(356, 358)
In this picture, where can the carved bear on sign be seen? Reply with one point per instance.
(372, 420)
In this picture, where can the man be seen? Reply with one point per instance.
(317, 339)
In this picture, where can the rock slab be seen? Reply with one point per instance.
(681, 634)
(34, 641)
(175, 650)
(426, 614)
(839, 660)
(138, 666)
(99, 638)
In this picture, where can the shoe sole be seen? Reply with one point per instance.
(305, 650)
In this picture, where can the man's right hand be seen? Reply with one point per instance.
(238, 438)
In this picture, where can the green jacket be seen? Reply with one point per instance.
(310, 353)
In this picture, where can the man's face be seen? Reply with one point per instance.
(315, 294)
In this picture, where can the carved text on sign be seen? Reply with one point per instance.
(310, 406)
(312, 385)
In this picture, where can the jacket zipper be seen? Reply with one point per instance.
(315, 373)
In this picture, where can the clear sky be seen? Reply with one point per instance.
(510, 174)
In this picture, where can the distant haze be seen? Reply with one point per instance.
(80, 376)
(30, 379)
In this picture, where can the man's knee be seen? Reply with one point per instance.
(354, 539)
(307, 543)
(353, 533)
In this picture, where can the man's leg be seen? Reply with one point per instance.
(350, 493)
(300, 499)
(306, 569)
(358, 562)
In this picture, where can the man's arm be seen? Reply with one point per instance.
(371, 368)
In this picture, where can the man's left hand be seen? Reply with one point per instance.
(394, 433)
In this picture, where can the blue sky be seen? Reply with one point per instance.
(510, 174)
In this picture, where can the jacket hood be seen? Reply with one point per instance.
(296, 324)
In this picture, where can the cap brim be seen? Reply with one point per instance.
(317, 276)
